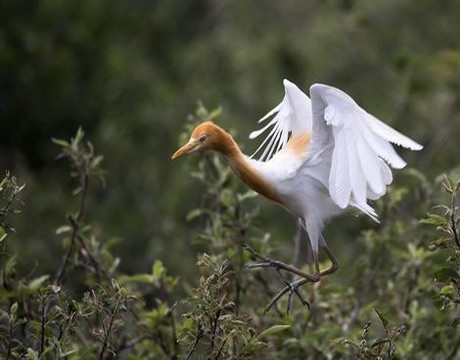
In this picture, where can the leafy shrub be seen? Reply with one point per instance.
(399, 299)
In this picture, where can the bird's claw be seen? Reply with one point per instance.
(291, 287)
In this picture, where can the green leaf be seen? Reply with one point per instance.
(227, 197)
(114, 264)
(4, 180)
(14, 308)
(447, 290)
(193, 214)
(456, 322)
(156, 315)
(189, 324)
(60, 142)
(445, 273)
(434, 219)
(32, 354)
(36, 283)
(247, 195)
(273, 330)
(398, 194)
(71, 351)
(63, 229)
(291, 341)
(138, 278)
(215, 113)
(383, 319)
(10, 264)
(3, 234)
(115, 284)
(79, 136)
(201, 111)
(96, 161)
(158, 269)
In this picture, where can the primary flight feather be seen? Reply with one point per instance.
(319, 157)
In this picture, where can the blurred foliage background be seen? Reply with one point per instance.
(131, 72)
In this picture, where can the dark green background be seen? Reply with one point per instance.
(130, 73)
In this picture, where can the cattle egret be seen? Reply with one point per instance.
(320, 157)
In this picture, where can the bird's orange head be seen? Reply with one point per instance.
(205, 136)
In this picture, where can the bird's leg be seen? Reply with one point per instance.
(290, 286)
(297, 242)
(334, 262)
(294, 287)
(296, 284)
(267, 262)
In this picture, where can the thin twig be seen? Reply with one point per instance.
(60, 272)
(131, 343)
(43, 325)
(174, 355)
(199, 335)
(453, 221)
(109, 330)
(98, 266)
(454, 351)
(267, 289)
(10, 338)
(63, 327)
(84, 192)
(214, 328)
(159, 338)
(75, 229)
(221, 347)
(240, 241)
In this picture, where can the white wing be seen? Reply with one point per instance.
(361, 146)
(291, 117)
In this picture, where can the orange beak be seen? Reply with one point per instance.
(185, 149)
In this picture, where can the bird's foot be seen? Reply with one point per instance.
(291, 287)
(278, 265)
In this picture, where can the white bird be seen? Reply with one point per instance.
(320, 157)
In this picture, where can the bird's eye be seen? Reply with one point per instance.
(202, 138)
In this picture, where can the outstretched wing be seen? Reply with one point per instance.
(361, 147)
(291, 117)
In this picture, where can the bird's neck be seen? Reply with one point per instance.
(242, 167)
(227, 146)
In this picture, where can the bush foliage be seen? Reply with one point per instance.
(132, 256)
(398, 299)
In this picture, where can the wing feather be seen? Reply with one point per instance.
(370, 169)
(271, 113)
(256, 133)
(383, 149)
(361, 148)
(340, 189)
(290, 117)
(357, 181)
(391, 135)
(351, 147)
(386, 173)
